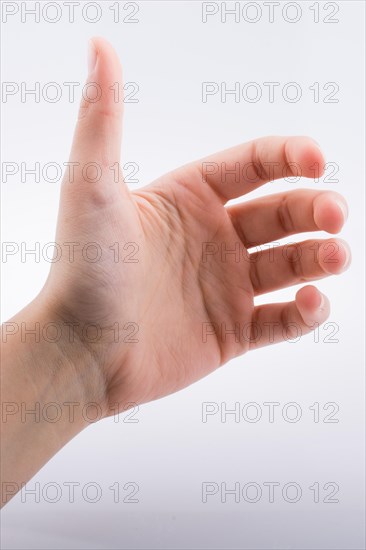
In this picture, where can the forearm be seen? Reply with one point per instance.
(46, 387)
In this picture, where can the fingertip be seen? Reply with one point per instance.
(101, 50)
(100, 43)
(308, 297)
(330, 212)
(309, 156)
(334, 256)
(313, 305)
(92, 56)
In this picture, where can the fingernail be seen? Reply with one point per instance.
(347, 260)
(343, 207)
(92, 56)
(322, 302)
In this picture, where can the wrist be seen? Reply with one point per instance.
(48, 355)
(79, 356)
(51, 389)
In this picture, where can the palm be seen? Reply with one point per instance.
(201, 289)
(171, 299)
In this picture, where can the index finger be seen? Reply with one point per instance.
(236, 171)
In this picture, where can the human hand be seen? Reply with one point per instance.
(184, 294)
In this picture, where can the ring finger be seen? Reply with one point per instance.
(282, 266)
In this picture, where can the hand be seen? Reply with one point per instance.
(174, 289)
(154, 289)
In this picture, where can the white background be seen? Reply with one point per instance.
(169, 452)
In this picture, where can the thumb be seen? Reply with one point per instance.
(95, 151)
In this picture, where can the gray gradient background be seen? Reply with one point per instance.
(169, 452)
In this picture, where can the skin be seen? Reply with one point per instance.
(180, 295)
